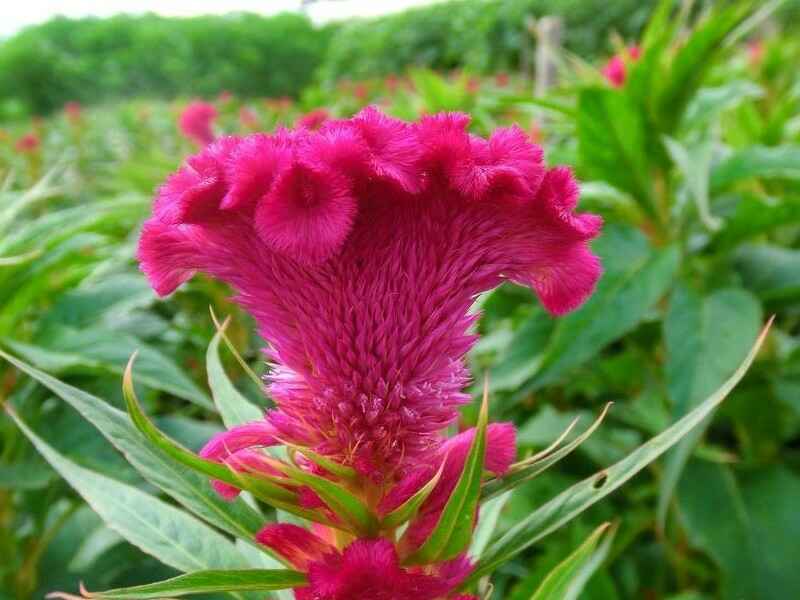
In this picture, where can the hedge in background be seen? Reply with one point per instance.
(481, 35)
(91, 60)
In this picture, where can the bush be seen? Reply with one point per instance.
(480, 35)
(91, 60)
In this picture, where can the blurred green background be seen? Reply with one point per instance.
(693, 160)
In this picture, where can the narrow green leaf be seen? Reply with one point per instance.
(406, 511)
(261, 487)
(234, 408)
(329, 465)
(526, 470)
(582, 495)
(187, 487)
(347, 506)
(204, 582)
(635, 279)
(489, 516)
(766, 162)
(706, 338)
(453, 531)
(245, 367)
(171, 535)
(566, 581)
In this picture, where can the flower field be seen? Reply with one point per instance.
(427, 335)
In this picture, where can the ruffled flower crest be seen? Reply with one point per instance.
(359, 249)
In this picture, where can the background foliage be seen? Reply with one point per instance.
(695, 165)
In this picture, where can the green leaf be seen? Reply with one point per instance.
(567, 580)
(778, 162)
(92, 349)
(772, 272)
(187, 487)
(693, 60)
(205, 582)
(694, 163)
(612, 143)
(748, 523)
(756, 215)
(528, 469)
(487, 523)
(573, 501)
(636, 276)
(171, 535)
(706, 338)
(453, 531)
(263, 487)
(234, 408)
(710, 102)
(333, 467)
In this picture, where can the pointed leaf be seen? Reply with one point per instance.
(582, 495)
(171, 535)
(566, 581)
(453, 531)
(234, 408)
(261, 487)
(529, 469)
(206, 582)
(186, 486)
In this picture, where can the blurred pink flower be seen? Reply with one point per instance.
(359, 249)
(196, 122)
(249, 118)
(225, 96)
(502, 79)
(73, 111)
(755, 52)
(615, 70)
(314, 119)
(28, 143)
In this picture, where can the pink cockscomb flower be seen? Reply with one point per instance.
(359, 249)
(616, 70)
(367, 569)
(314, 119)
(197, 121)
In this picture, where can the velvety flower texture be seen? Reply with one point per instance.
(359, 246)
(615, 70)
(197, 121)
(364, 570)
(359, 249)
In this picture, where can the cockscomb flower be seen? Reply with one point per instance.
(364, 570)
(359, 248)
(615, 70)
(197, 121)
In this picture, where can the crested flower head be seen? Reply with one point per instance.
(359, 249)
(616, 70)
(196, 122)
